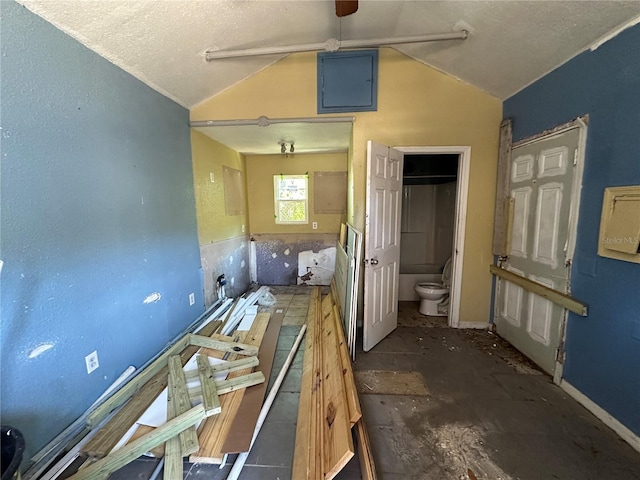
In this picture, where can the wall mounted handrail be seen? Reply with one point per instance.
(555, 296)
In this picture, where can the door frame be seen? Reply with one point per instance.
(462, 190)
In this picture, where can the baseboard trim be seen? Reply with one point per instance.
(476, 325)
(605, 417)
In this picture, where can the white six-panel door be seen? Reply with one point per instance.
(382, 242)
(541, 186)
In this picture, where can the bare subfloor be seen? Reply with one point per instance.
(439, 404)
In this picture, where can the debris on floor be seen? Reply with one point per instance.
(201, 398)
(492, 344)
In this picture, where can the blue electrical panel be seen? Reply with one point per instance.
(348, 81)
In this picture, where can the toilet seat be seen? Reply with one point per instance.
(432, 288)
(446, 273)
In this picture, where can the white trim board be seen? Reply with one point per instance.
(462, 191)
(602, 415)
(475, 325)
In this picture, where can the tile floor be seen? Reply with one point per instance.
(454, 404)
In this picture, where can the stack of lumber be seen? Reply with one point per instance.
(223, 376)
(215, 431)
(329, 406)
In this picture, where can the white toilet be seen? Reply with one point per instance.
(434, 295)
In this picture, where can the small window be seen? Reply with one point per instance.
(291, 195)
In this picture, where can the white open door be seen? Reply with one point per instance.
(382, 242)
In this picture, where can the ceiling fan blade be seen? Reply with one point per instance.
(346, 7)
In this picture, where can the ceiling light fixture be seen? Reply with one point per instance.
(333, 45)
(283, 147)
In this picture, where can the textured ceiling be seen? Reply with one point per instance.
(162, 42)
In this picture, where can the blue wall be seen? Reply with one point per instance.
(603, 349)
(98, 213)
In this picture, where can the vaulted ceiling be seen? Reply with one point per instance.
(163, 42)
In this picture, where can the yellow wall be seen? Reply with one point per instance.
(260, 172)
(208, 157)
(417, 106)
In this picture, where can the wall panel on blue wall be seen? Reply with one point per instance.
(603, 354)
(98, 229)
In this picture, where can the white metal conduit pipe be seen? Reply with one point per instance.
(265, 122)
(333, 45)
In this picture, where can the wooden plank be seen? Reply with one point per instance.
(316, 462)
(242, 428)
(214, 430)
(156, 452)
(110, 434)
(502, 189)
(105, 466)
(367, 465)
(304, 451)
(555, 296)
(214, 344)
(137, 382)
(226, 367)
(209, 428)
(232, 384)
(264, 411)
(327, 308)
(222, 386)
(181, 404)
(173, 448)
(336, 296)
(355, 411)
(210, 397)
(336, 429)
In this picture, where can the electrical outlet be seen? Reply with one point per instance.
(192, 298)
(92, 361)
(243, 228)
(212, 177)
(314, 225)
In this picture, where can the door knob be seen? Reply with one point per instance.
(374, 261)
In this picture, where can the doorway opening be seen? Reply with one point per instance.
(434, 204)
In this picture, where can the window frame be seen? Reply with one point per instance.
(277, 201)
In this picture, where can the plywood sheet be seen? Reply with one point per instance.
(330, 192)
(234, 194)
(241, 431)
(383, 382)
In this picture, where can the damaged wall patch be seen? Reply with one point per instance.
(152, 298)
